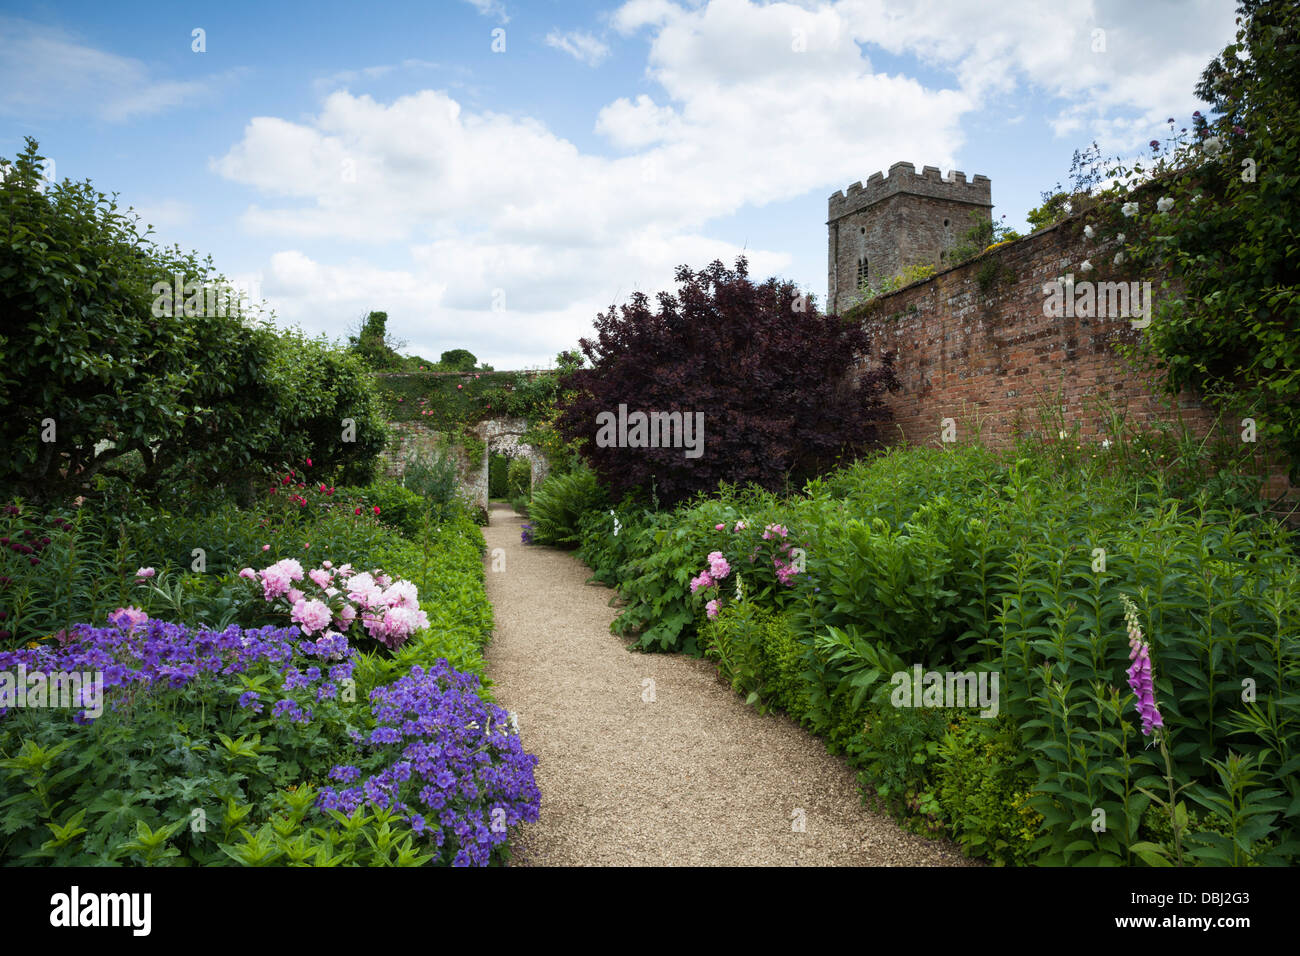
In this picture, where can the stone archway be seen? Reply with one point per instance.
(502, 435)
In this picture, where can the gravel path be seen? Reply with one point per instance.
(694, 777)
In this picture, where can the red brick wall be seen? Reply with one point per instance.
(990, 358)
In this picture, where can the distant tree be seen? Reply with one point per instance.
(777, 381)
(374, 345)
(458, 360)
(1049, 213)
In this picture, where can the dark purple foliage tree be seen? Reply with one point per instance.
(779, 385)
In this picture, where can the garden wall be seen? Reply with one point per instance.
(972, 343)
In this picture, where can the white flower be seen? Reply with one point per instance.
(1085, 266)
(1119, 236)
(1196, 198)
(1212, 145)
(1069, 208)
(1062, 434)
(1089, 232)
(1119, 258)
(1105, 443)
(1129, 209)
(1164, 205)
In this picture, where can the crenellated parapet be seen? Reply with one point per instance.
(903, 178)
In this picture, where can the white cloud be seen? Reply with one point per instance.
(636, 14)
(634, 125)
(752, 104)
(165, 213)
(1148, 64)
(45, 72)
(490, 8)
(583, 47)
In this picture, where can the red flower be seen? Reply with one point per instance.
(308, 462)
(376, 509)
(358, 511)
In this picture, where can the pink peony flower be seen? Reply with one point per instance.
(274, 583)
(347, 615)
(311, 616)
(145, 573)
(290, 568)
(400, 623)
(128, 618)
(266, 547)
(718, 566)
(363, 589)
(294, 595)
(320, 576)
(703, 581)
(402, 594)
(740, 526)
(248, 574)
(711, 608)
(718, 527)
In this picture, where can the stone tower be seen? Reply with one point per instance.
(896, 221)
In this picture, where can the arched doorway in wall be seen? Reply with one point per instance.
(501, 437)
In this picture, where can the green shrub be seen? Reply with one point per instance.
(140, 391)
(434, 477)
(984, 778)
(398, 506)
(498, 468)
(758, 652)
(519, 477)
(559, 503)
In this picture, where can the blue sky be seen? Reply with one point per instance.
(342, 157)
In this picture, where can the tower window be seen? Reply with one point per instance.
(862, 270)
(945, 222)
